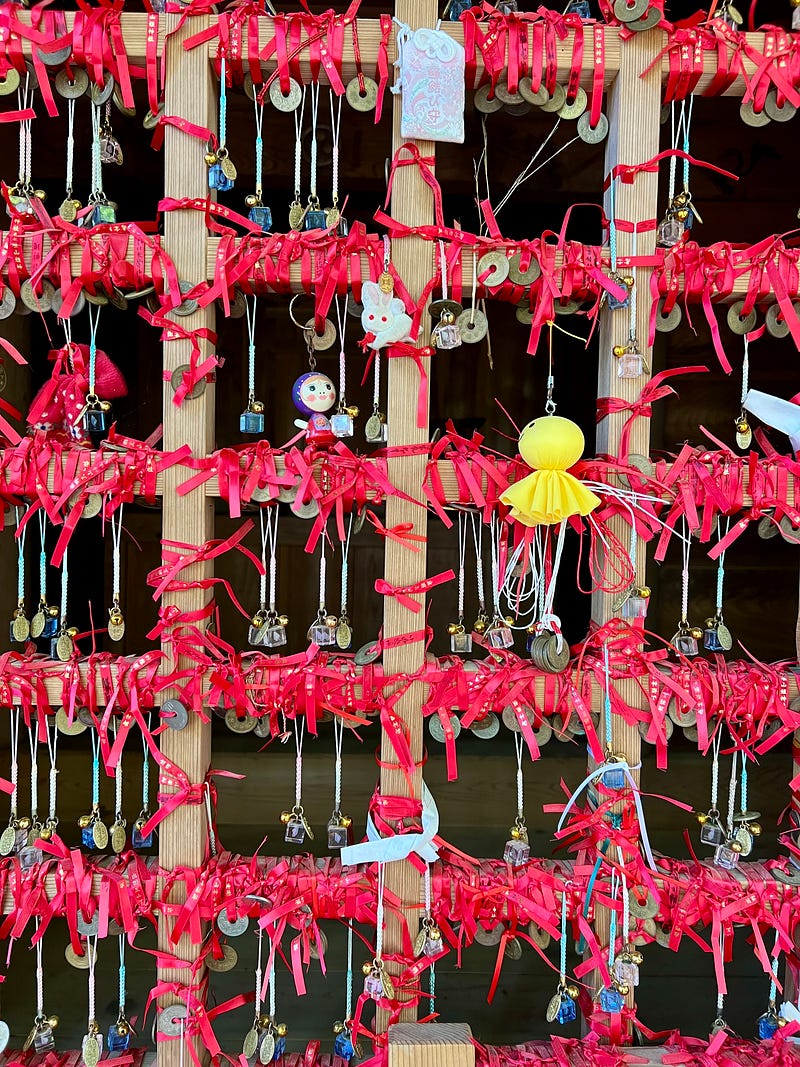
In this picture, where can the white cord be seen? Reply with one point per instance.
(70, 146)
(338, 735)
(52, 747)
(97, 170)
(212, 837)
(336, 121)
(376, 386)
(39, 971)
(34, 747)
(715, 747)
(732, 793)
(346, 564)
(519, 741)
(116, 537)
(462, 551)
(745, 369)
(477, 540)
(341, 318)
(379, 911)
(14, 726)
(272, 1008)
(64, 587)
(323, 575)
(259, 973)
(314, 91)
(250, 312)
(299, 731)
(686, 548)
(298, 144)
(117, 783)
(91, 953)
(443, 268)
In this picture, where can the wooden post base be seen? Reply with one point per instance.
(431, 1045)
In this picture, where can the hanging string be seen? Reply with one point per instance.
(550, 404)
(42, 559)
(612, 223)
(258, 109)
(608, 722)
(323, 576)
(562, 966)
(39, 972)
(632, 296)
(21, 535)
(673, 159)
(259, 1001)
(272, 993)
(223, 102)
(95, 740)
(477, 540)
(314, 91)
(299, 731)
(14, 728)
(116, 538)
(732, 794)
(462, 551)
(686, 549)
(336, 121)
(122, 974)
(381, 878)
(25, 101)
(745, 370)
(348, 1003)
(338, 737)
(299, 114)
(52, 749)
(94, 321)
(91, 953)
(117, 784)
(212, 837)
(34, 748)
(341, 319)
(519, 742)
(97, 168)
(715, 747)
(527, 172)
(146, 770)
(250, 307)
(721, 564)
(64, 587)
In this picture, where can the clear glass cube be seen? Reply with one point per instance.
(725, 857)
(516, 852)
(629, 365)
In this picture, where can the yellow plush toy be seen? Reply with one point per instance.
(550, 494)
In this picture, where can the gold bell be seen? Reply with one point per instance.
(643, 591)
(515, 833)
(352, 411)
(623, 988)
(115, 617)
(251, 200)
(286, 817)
(283, 620)
(53, 612)
(755, 828)
(637, 958)
(52, 1021)
(781, 1020)
(72, 631)
(330, 620)
(105, 405)
(618, 351)
(123, 1028)
(735, 846)
(366, 968)
(46, 833)
(453, 628)
(84, 821)
(696, 633)
(479, 626)
(629, 281)
(435, 934)
(509, 620)
(702, 818)
(347, 821)
(573, 992)
(281, 1029)
(24, 823)
(742, 426)
(210, 158)
(682, 215)
(338, 1027)
(257, 621)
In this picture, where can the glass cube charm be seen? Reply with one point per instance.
(614, 778)
(461, 641)
(795, 19)
(261, 216)
(373, 986)
(295, 832)
(626, 972)
(611, 1000)
(634, 607)
(580, 8)
(685, 644)
(711, 833)
(118, 1041)
(322, 634)
(19, 203)
(280, 1048)
(567, 1010)
(670, 231)
(446, 333)
(29, 856)
(726, 857)
(43, 1040)
(87, 838)
(343, 1046)
(342, 424)
(507, 7)
(711, 641)
(338, 834)
(629, 365)
(103, 212)
(615, 304)
(274, 636)
(315, 219)
(95, 420)
(217, 179)
(517, 852)
(140, 840)
(767, 1025)
(50, 626)
(499, 636)
(251, 421)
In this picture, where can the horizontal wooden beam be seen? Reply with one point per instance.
(97, 263)
(134, 33)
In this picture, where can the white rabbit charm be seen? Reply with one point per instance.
(384, 317)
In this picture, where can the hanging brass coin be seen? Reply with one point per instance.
(313, 947)
(229, 959)
(669, 322)
(565, 307)
(541, 96)
(250, 1044)
(513, 949)
(576, 108)
(642, 907)
(544, 734)
(68, 209)
(520, 276)
(522, 108)
(9, 83)
(100, 835)
(737, 322)
(120, 105)
(344, 636)
(238, 725)
(488, 937)
(630, 12)
(592, 134)
(8, 303)
(150, 121)
(487, 727)
(472, 325)
(72, 88)
(362, 101)
(288, 102)
(320, 342)
(305, 509)
(67, 728)
(99, 94)
(647, 21)
(744, 438)
(77, 960)
(751, 117)
(539, 936)
(502, 92)
(436, 728)
(91, 1051)
(176, 381)
(229, 168)
(37, 624)
(482, 101)
(65, 647)
(524, 314)
(778, 113)
(297, 212)
(495, 266)
(556, 101)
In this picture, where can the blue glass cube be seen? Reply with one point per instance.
(614, 778)
(611, 1000)
(580, 8)
(140, 840)
(767, 1025)
(104, 212)
(261, 216)
(711, 641)
(342, 424)
(280, 1048)
(567, 1011)
(457, 9)
(50, 626)
(116, 1041)
(343, 1046)
(87, 838)
(251, 422)
(315, 219)
(614, 303)
(217, 179)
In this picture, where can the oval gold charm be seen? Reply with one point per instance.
(744, 440)
(296, 215)
(7, 840)
(100, 835)
(91, 1051)
(20, 628)
(118, 837)
(344, 636)
(724, 637)
(267, 1049)
(552, 1008)
(419, 941)
(228, 168)
(116, 630)
(68, 210)
(64, 648)
(250, 1044)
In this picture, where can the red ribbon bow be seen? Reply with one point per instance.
(404, 593)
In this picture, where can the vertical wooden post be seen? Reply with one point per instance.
(412, 203)
(634, 104)
(190, 518)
